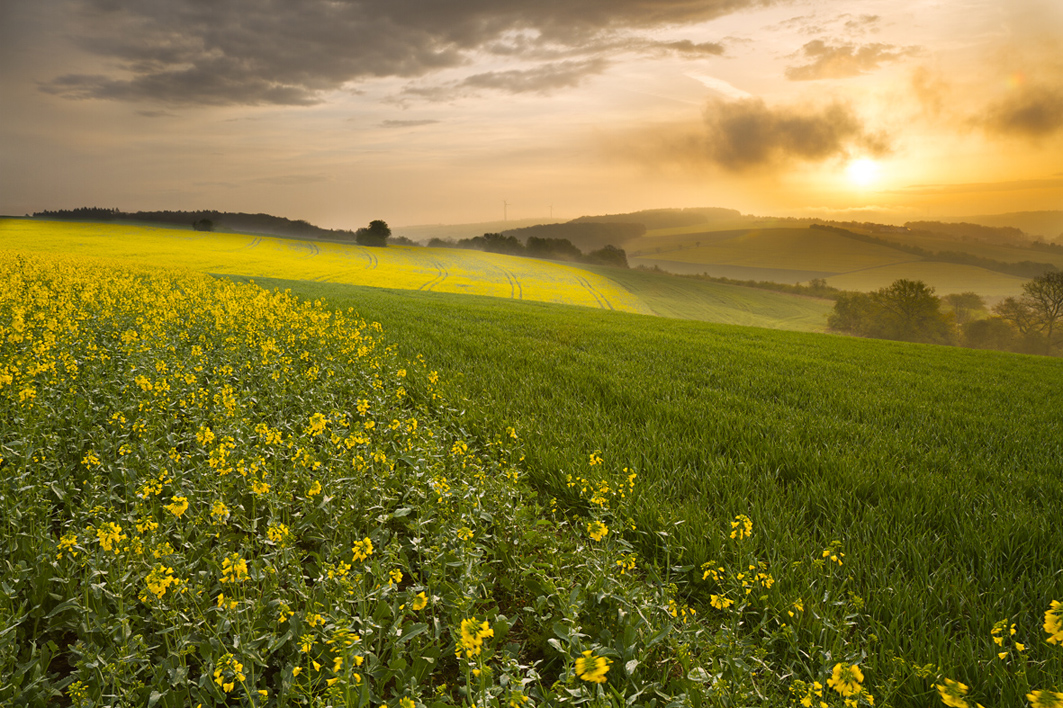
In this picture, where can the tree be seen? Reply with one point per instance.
(910, 312)
(203, 225)
(1044, 295)
(907, 310)
(376, 234)
(964, 306)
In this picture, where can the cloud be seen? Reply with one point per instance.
(407, 123)
(1030, 112)
(746, 134)
(843, 60)
(292, 53)
(540, 79)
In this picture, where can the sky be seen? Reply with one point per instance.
(449, 111)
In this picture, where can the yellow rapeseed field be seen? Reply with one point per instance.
(401, 267)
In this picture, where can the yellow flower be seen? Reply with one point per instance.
(159, 579)
(110, 535)
(317, 424)
(362, 549)
(395, 577)
(219, 512)
(465, 533)
(1045, 699)
(315, 489)
(406, 703)
(178, 507)
(473, 634)
(592, 668)
(597, 530)
(952, 694)
(331, 681)
(1054, 623)
(419, 601)
(720, 602)
(233, 568)
(297, 670)
(742, 527)
(68, 542)
(846, 679)
(279, 534)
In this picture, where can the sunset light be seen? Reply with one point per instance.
(863, 172)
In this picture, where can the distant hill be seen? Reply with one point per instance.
(585, 235)
(220, 221)
(1047, 225)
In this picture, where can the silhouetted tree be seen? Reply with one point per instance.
(376, 234)
(203, 225)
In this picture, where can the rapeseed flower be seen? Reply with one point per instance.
(472, 638)
(597, 530)
(419, 602)
(1045, 699)
(362, 549)
(720, 602)
(233, 568)
(952, 694)
(110, 535)
(178, 506)
(314, 490)
(846, 679)
(1054, 623)
(159, 579)
(406, 702)
(592, 668)
(742, 527)
(68, 542)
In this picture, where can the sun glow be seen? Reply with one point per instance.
(862, 171)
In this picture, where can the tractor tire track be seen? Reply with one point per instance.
(602, 301)
(443, 274)
(516, 292)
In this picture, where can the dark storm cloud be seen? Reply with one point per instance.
(283, 52)
(827, 61)
(1031, 112)
(746, 134)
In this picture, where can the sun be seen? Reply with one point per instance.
(863, 171)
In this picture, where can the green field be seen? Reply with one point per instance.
(690, 299)
(793, 255)
(936, 468)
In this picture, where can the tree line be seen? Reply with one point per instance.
(909, 311)
(558, 249)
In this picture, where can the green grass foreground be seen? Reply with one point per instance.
(937, 469)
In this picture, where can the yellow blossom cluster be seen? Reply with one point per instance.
(473, 634)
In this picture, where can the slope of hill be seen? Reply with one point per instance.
(845, 259)
(440, 270)
(443, 270)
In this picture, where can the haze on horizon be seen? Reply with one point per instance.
(418, 111)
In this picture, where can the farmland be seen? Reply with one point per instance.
(423, 269)
(936, 468)
(441, 270)
(774, 504)
(792, 255)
